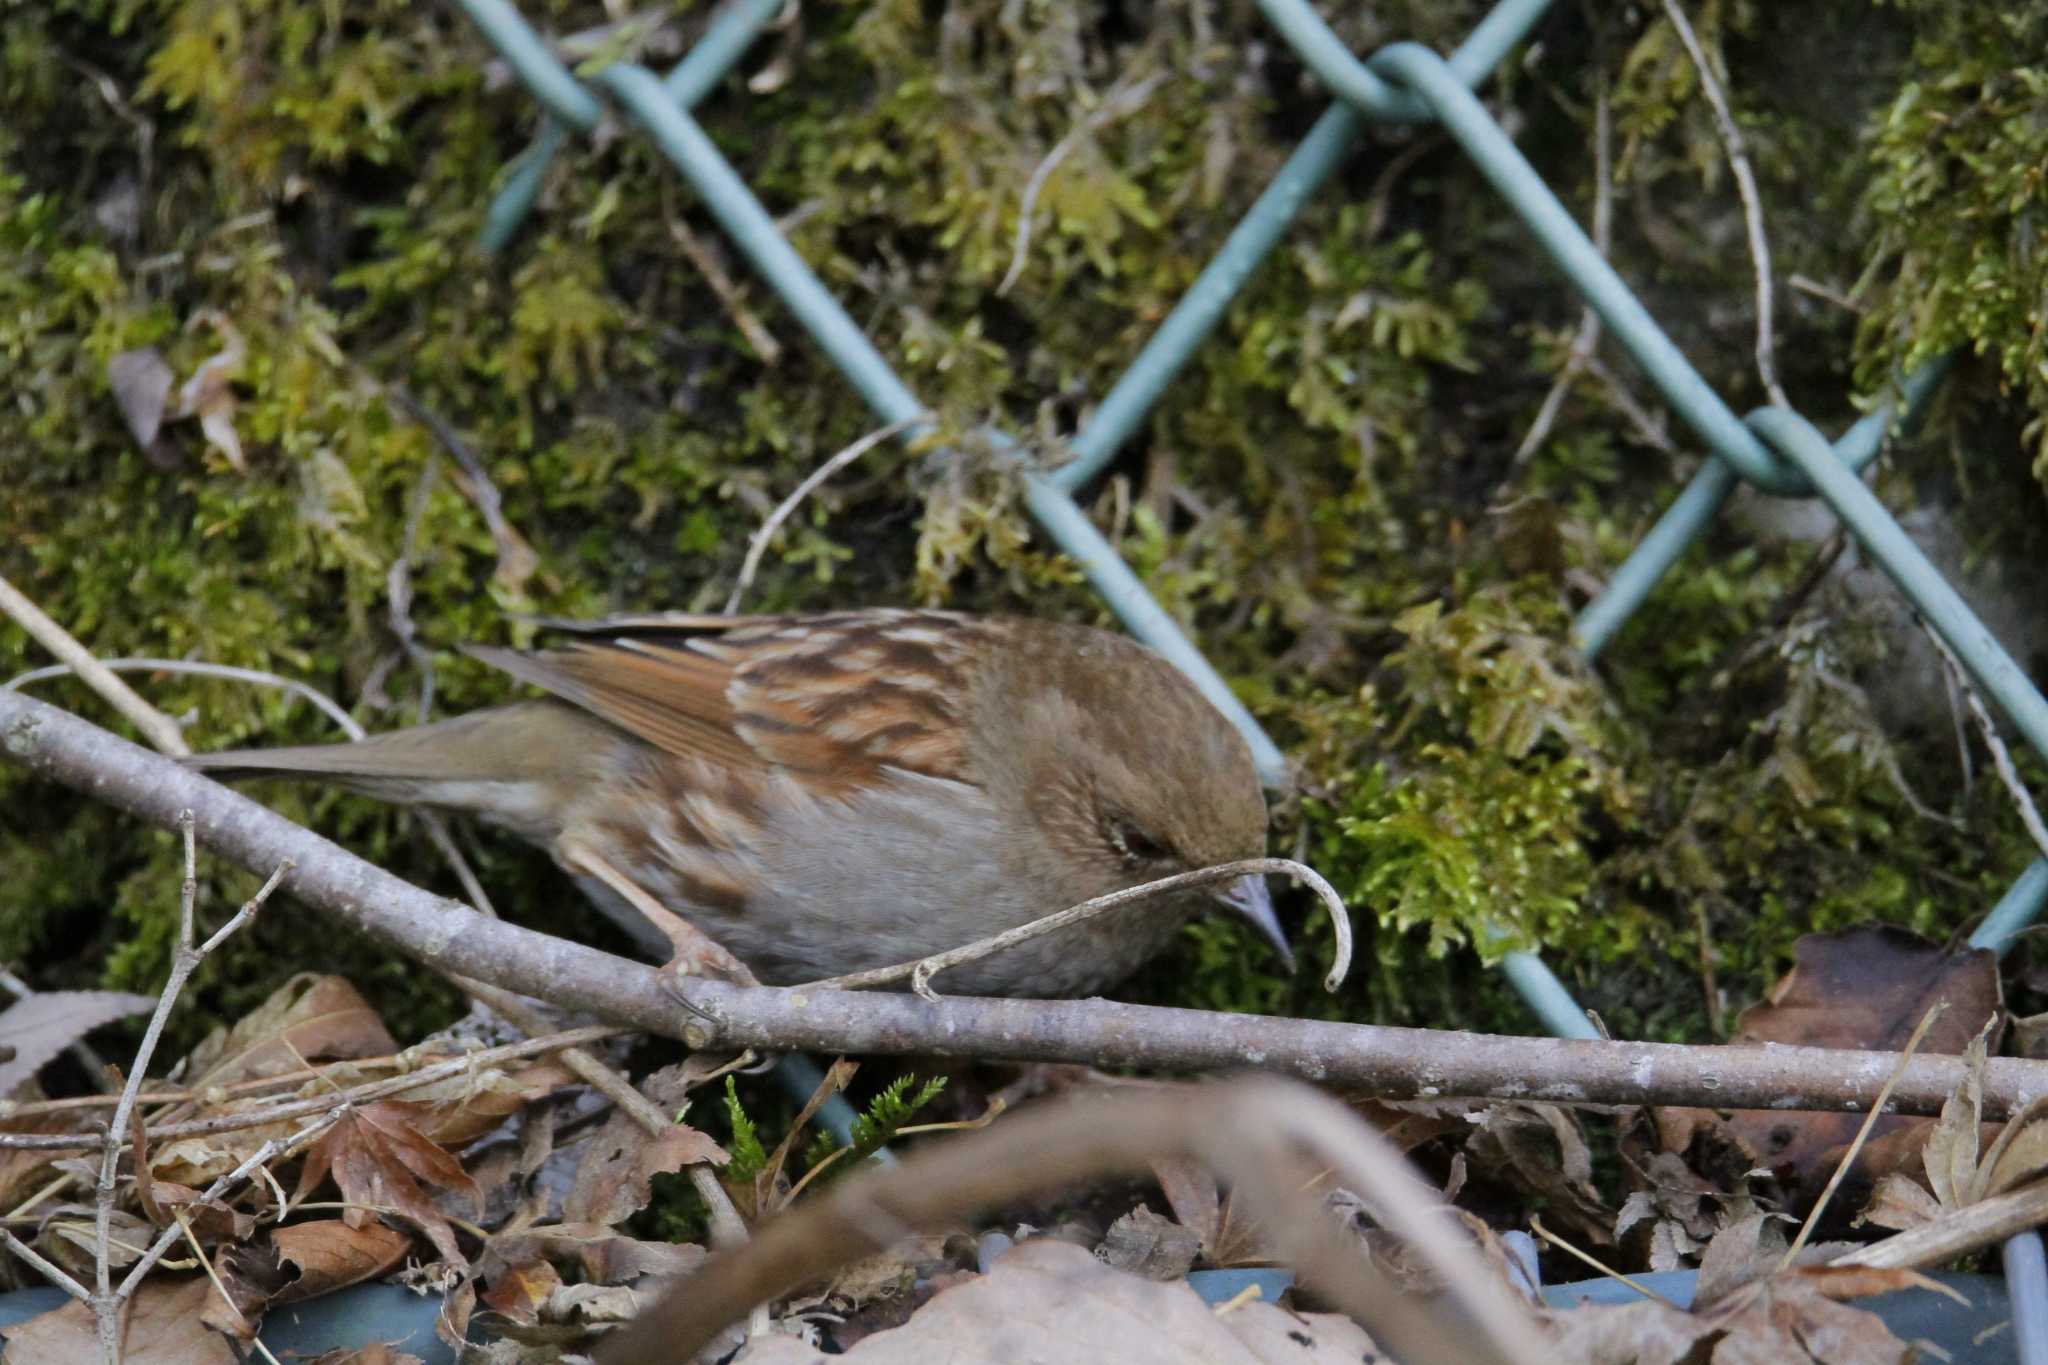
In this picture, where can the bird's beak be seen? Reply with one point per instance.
(1248, 897)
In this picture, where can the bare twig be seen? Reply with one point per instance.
(48, 1269)
(924, 969)
(1987, 728)
(106, 1305)
(517, 560)
(1821, 291)
(398, 587)
(1958, 1232)
(1588, 1259)
(708, 265)
(157, 727)
(1806, 1228)
(248, 675)
(206, 1264)
(759, 543)
(1961, 730)
(727, 1227)
(1650, 429)
(269, 1151)
(1269, 1139)
(318, 1104)
(1587, 339)
(1745, 188)
(1396, 1063)
(1114, 106)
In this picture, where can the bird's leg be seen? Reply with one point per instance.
(696, 952)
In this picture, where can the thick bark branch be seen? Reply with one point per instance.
(1388, 1062)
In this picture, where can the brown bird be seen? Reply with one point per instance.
(827, 794)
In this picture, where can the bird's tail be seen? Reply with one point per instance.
(514, 765)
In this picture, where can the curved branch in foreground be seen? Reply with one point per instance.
(1389, 1062)
(1271, 1140)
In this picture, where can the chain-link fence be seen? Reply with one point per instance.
(1774, 449)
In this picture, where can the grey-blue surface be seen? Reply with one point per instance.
(354, 1317)
(380, 1312)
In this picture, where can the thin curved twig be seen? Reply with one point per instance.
(2001, 757)
(924, 969)
(1745, 189)
(1827, 1195)
(328, 706)
(159, 728)
(759, 543)
(1269, 1139)
(1115, 106)
(1587, 337)
(292, 1107)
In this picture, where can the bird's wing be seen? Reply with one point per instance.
(838, 698)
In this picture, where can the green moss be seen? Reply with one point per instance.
(1957, 258)
(1324, 497)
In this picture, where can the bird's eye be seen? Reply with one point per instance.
(1134, 844)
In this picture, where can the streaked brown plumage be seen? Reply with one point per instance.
(825, 794)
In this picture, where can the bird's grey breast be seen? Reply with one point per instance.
(803, 884)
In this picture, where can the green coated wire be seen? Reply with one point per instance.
(1402, 83)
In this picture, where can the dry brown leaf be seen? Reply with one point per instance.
(1791, 1319)
(1865, 988)
(1949, 1155)
(2024, 1156)
(1049, 1300)
(1958, 1169)
(209, 394)
(452, 1323)
(250, 1278)
(459, 1109)
(141, 381)
(1669, 1219)
(1900, 1202)
(886, 1275)
(25, 1170)
(376, 1353)
(1538, 1149)
(1409, 1124)
(1228, 1238)
(210, 1219)
(615, 1178)
(377, 1157)
(2030, 1036)
(235, 1309)
(194, 1161)
(69, 1236)
(518, 1292)
(1745, 1251)
(594, 1303)
(328, 1254)
(38, 1027)
(1191, 1192)
(600, 1254)
(1143, 1243)
(308, 1018)
(163, 1327)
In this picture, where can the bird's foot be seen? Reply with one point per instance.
(693, 952)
